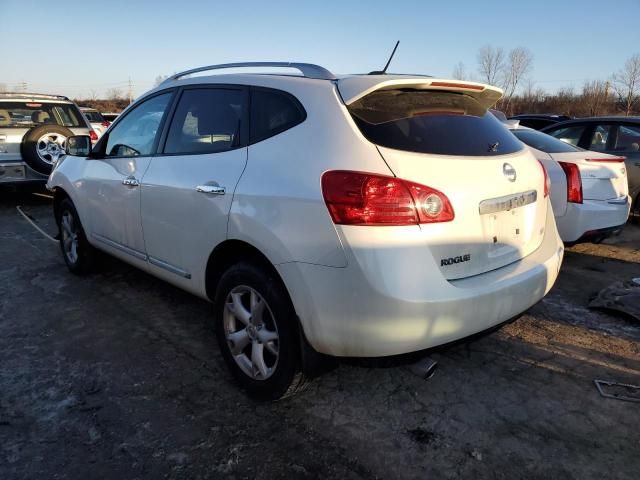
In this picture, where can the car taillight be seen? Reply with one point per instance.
(93, 135)
(547, 182)
(574, 182)
(106, 124)
(356, 198)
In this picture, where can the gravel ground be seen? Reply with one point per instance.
(118, 375)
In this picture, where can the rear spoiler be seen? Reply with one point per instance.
(354, 88)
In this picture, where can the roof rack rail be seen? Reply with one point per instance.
(308, 70)
(32, 95)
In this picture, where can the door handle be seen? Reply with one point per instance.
(212, 189)
(130, 181)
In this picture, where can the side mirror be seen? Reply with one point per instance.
(79, 146)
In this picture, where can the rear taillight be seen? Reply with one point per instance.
(356, 198)
(106, 124)
(574, 182)
(607, 160)
(93, 135)
(547, 182)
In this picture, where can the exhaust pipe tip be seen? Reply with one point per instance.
(424, 368)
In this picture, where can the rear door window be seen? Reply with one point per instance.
(543, 142)
(436, 122)
(273, 112)
(207, 120)
(627, 139)
(569, 135)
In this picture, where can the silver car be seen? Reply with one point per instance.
(33, 133)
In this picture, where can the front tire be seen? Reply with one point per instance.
(78, 254)
(257, 332)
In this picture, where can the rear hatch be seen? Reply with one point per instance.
(440, 134)
(603, 176)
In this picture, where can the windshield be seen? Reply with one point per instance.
(543, 142)
(30, 114)
(428, 121)
(95, 117)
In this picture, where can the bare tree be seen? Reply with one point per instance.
(159, 79)
(594, 95)
(3, 87)
(115, 94)
(627, 83)
(518, 65)
(93, 95)
(490, 63)
(460, 72)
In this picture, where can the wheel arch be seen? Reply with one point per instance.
(232, 251)
(229, 252)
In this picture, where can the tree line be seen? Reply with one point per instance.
(618, 94)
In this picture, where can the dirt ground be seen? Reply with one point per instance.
(118, 375)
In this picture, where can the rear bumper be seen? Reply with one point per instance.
(581, 220)
(380, 306)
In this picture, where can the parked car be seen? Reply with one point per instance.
(110, 117)
(320, 215)
(611, 135)
(97, 121)
(538, 121)
(34, 129)
(589, 190)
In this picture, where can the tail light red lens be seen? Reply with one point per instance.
(106, 124)
(93, 135)
(574, 182)
(356, 198)
(547, 182)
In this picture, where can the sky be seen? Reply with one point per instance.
(80, 48)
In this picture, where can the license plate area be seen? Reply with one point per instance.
(507, 202)
(13, 172)
(503, 223)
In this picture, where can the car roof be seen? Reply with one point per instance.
(577, 121)
(32, 96)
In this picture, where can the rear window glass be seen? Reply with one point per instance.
(94, 117)
(30, 114)
(442, 123)
(273, 112)
(543, 142)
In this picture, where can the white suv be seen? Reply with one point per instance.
(366, 215)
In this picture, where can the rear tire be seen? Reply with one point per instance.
(78, 254)
(257, 332)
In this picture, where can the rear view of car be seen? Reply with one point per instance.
(33, 133)
(97, 121)
(589, 190)
(457, 235)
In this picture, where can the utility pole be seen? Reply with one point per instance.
(130, 91)
(22, 86)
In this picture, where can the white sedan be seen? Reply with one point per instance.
(589, 190)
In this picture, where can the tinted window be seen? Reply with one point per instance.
(30, 114)
(444, 123)
(568, 134)
(207, 120)
(543, 142)
(135, 133)
(536, 123)
(94, 117)
(599, 138)
(628, 139)
(273, 112)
